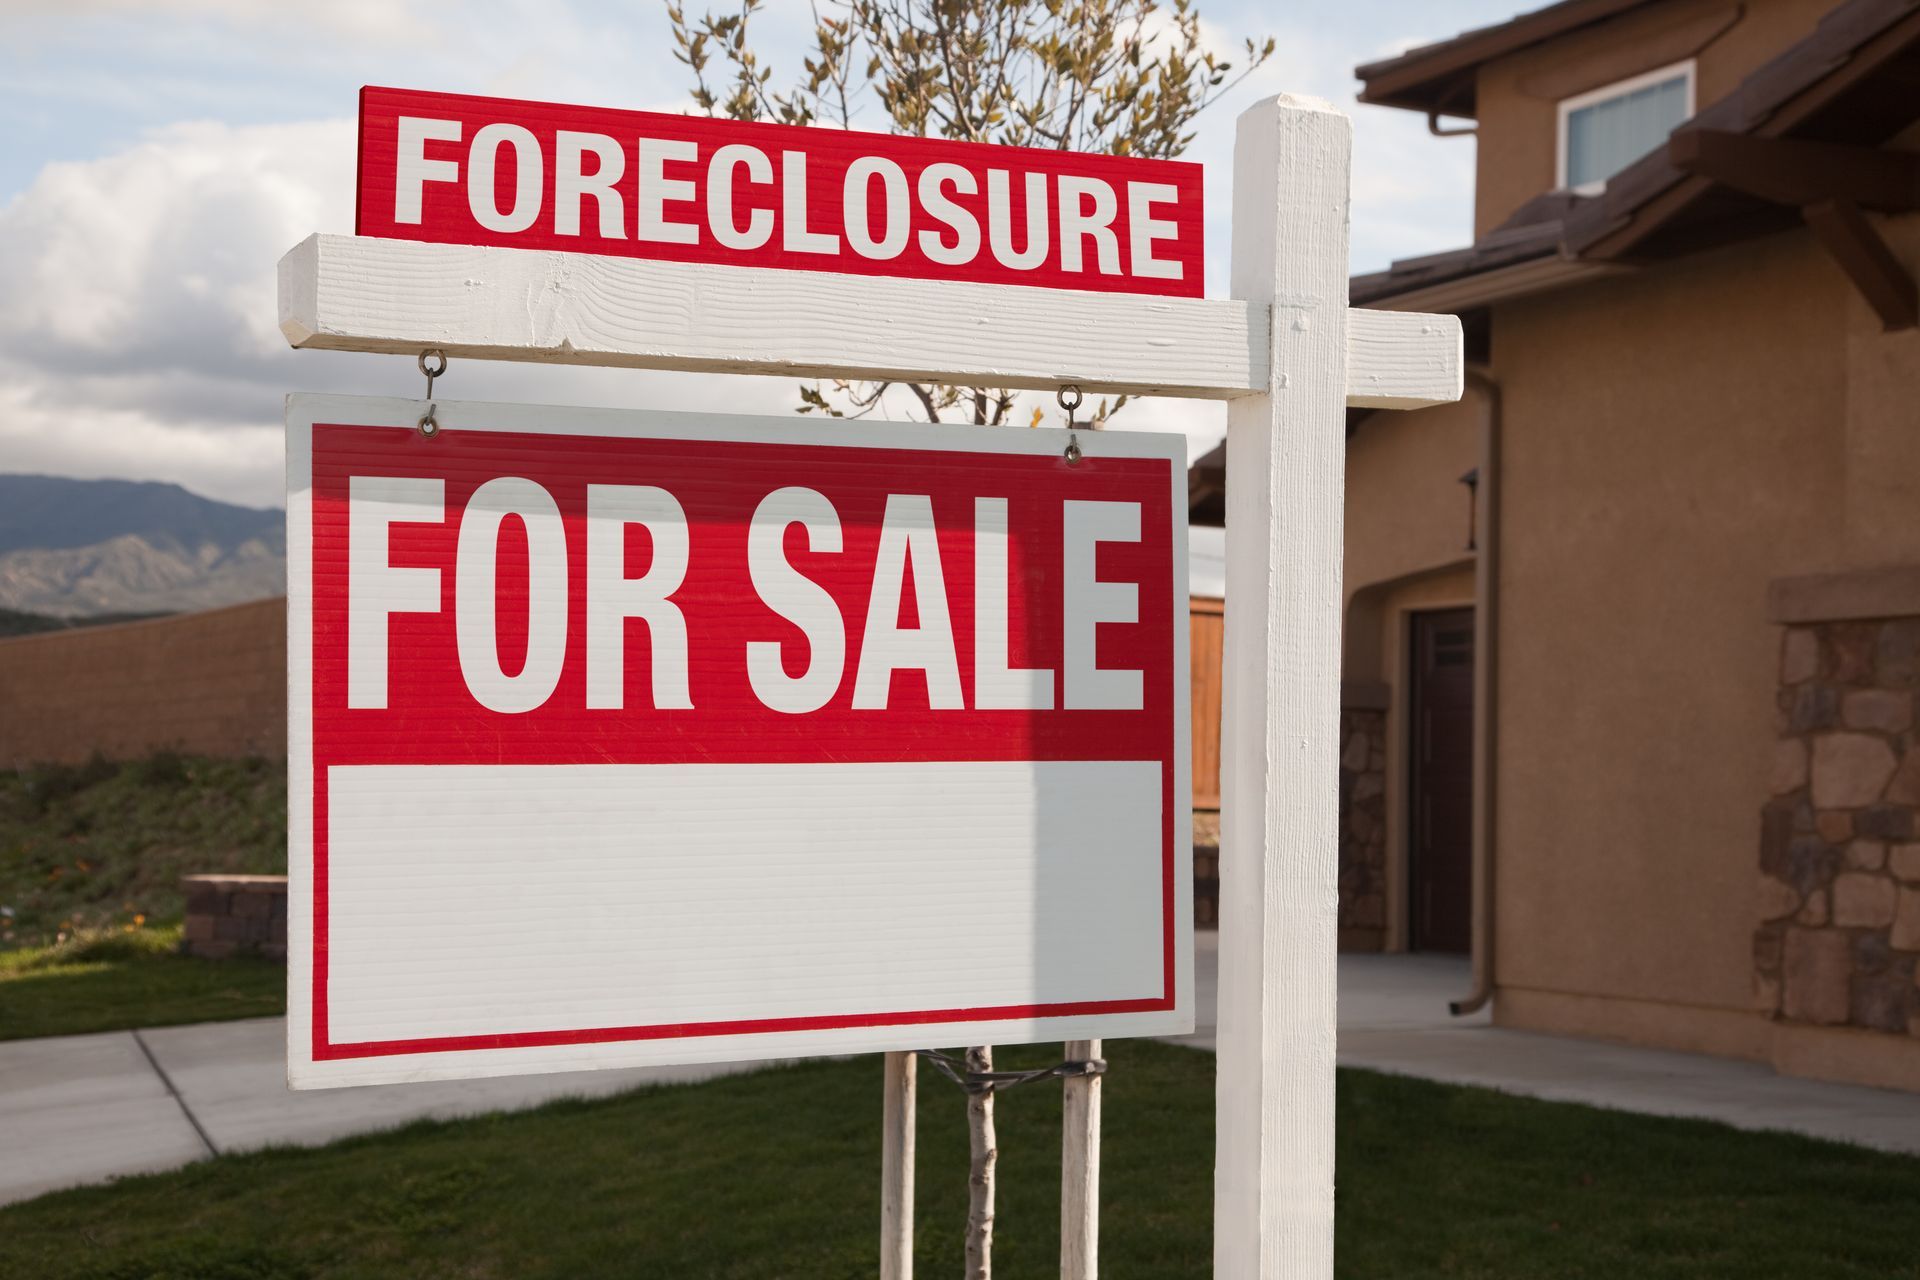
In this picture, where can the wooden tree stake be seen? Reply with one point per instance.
(896, 1168)
(1080, 1168)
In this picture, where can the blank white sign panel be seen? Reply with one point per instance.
(856, 889)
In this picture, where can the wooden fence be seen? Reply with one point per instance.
(216, 683)
(212, 683)
(1204, 646)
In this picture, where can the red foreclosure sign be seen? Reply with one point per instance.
(454, 169)
(620, 739)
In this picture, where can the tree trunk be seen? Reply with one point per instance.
(980, 1179)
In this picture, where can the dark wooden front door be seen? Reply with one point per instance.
(1441, 791)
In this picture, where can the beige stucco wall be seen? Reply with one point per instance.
(1673, 441)
(1519, 96)
(1882, 515)
(1406, 550)
(1407, 512)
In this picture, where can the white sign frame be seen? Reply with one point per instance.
(1304, 359)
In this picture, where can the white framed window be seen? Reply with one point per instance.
(1604, 130)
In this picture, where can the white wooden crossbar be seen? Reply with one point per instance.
(352, 293)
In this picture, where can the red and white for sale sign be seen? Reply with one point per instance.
(453, 169)
(627, 738)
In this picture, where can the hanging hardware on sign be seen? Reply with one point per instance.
(1073, 438)
(955, 1069)
(429, 425)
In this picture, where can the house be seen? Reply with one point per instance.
(1633, 631)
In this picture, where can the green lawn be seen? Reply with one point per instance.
(91, 857)
(133, 978)
(101, 845)
(775, 1175)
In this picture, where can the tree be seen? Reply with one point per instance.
(1126, 77)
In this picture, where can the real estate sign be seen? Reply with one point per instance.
(627, 738)
(454, 169)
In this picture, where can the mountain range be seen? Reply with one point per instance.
(82, 548)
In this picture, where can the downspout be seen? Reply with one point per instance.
(1486, 684)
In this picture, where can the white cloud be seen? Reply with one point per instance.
(386, 21)
(44, 434)
(140, 334)
(163, 254)
(139, 337)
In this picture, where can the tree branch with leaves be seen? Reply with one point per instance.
(1120, 77)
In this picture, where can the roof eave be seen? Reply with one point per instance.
(1500, 284)
(1454, 97)
(1421, 79)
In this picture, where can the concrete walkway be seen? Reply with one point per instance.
(1393, 1017)
(81, 1109)
(78, 1109)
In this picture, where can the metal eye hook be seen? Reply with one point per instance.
(429, 426)
(433, 373)
(1071, 405)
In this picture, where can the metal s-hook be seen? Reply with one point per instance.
(1073, 437)
(429, 426)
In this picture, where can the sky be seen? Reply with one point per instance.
(161, 155)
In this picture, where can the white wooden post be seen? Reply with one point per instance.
(896, 1168)
(1080, 1168)
(1273, 1162)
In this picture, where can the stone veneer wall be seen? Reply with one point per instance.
(1839, 852)
(1363, 829)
